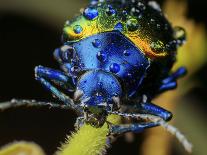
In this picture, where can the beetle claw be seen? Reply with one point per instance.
(77, 95)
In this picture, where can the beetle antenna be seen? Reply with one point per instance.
(181, 137)
(171, 129)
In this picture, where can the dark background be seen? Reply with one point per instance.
(27, 40)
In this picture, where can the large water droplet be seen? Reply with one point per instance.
(180, 34)
(115, 68)
(77, 29)
(132, 24)
(97, 43)
(90, 13)
(101, 56)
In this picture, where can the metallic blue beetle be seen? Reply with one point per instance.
(117, 55)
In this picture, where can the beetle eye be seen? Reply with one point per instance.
(67, 53)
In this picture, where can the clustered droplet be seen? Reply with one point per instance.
(110, 11)
(132, 24)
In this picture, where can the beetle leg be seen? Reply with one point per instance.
(170, 82)
(56, 76)
(152, 109)
(136, 127)
(64, 98)
(146, 109)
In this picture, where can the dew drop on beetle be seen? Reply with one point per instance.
(115, 68)
(77, 29)
(96, 43)
(101, 56)
(132, 24)
(179, 34)
(126, 53)
(90, 13)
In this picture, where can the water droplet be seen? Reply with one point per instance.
(124, 15)
(115, 68)
(124, 12)
(157, 46)
(158, 26)
(97, 43)
(94, 2)
(77, 29)
(101, 56)
(67, 23)
(126, 53)
(132, 25)
(118, 27)
(90, 13)
(110, 11)
(180, 34)
(154, 5)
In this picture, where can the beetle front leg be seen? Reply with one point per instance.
(170, 82)
(137, 127)
(56, 76)
(64, 98)
(146, 108)
(150, 108)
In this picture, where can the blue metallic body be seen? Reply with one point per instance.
(101, 67)
(105, 72)
(114, 54)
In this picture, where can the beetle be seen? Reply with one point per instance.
(116, 57)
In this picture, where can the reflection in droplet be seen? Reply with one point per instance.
(90, 13)
(77, 29)
(180, 34)
(110, 11)
(115, 68)
(101, 56)
(127, 53)
(97, 43)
